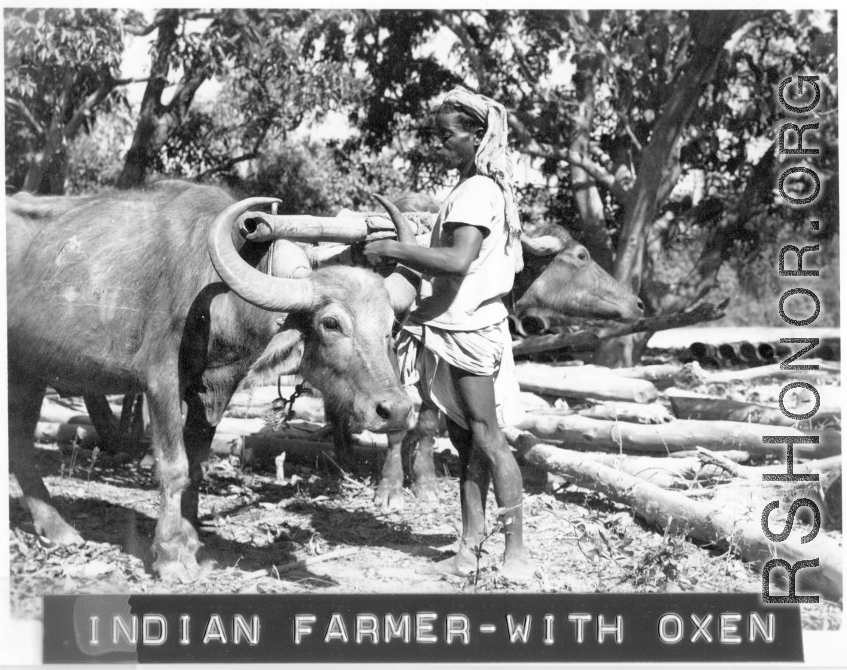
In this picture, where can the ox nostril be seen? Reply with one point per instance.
(384, 410)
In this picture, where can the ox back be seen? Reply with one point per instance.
(116, 288)
(116, 293)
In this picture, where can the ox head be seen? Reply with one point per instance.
(571, 283)
(338, 326)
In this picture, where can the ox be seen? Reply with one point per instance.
(558, 275)
(122, 293)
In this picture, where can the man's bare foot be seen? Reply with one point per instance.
(460, 565)
(518, 569)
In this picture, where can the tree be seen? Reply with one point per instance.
(62, 67)
(265, 62)
(656, 100)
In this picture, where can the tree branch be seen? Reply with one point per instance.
(457, 27)
(532, 147)
(90, 103)
(226, 165)
(19, 108)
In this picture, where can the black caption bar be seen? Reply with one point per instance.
(425, 628)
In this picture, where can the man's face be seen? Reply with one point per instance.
(458, 146)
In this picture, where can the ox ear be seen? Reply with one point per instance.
(281, 356)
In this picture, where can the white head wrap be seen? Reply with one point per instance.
(491, 157)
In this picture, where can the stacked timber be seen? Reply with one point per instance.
(669, 441)
(744, 354)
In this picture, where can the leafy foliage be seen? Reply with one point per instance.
(321, 181)
(62, 66)
(650, 134)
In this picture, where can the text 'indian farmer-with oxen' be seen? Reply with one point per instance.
(456, 344)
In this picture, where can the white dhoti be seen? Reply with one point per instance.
(424, 353)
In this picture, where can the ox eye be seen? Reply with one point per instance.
(583, 255)
(331, 323)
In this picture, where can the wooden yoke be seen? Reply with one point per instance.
(346, 229)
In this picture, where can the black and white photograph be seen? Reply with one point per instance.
(443, 305)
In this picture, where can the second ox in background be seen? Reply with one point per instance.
(558, 275)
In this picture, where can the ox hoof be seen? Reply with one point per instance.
(175, 549)
(389, 497)
(426, 490)
(49, 524)
(62, 533)
(185, 571)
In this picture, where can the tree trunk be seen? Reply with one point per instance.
(718, 244)
(594, 234)
(657, 165)
(46, 173)
(151, 133)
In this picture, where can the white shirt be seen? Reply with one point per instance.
(474, 300)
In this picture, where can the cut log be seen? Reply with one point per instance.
(590, 339)
(573, 382)
(708, 408)
(50, 431)
(668, 473)
(256, 402)
(658, 374)
(532, 402)
(628, 411)
(705, 468)
(754, 473)
(261, 450)
(64, 412)
(799, 400)
(579, 432)
(699, 520)
(774, 370)
(579, 341)
(563, 410)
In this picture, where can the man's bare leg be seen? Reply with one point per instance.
(477, 394)
(483, 450)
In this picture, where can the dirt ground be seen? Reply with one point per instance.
(255, 525)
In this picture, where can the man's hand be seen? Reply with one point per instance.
(374, 251)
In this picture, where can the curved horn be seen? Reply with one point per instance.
(542, 246)
(403, 283)
(405, 234)
(272, 293)
(402, 286)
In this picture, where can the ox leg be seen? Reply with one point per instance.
(201, 421)
(424, 480)
(342, 440)
(24, 409)
(389, 493)
(176, 542)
